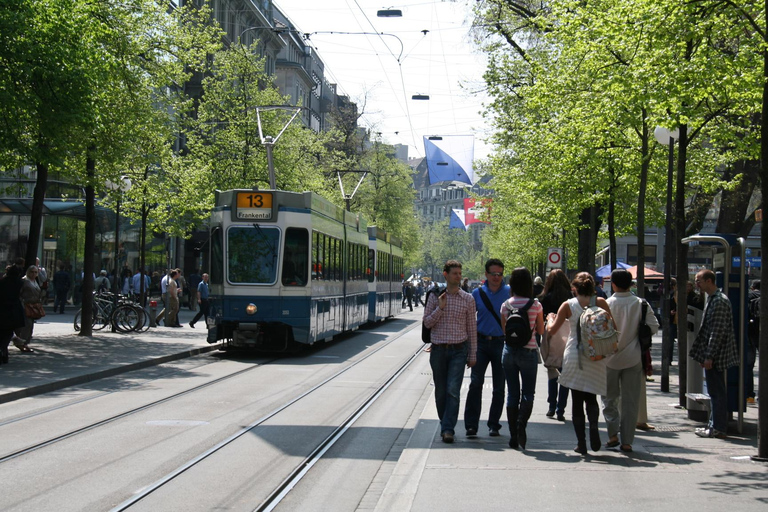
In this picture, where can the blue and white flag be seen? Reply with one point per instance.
(450, 157)
(457, 219)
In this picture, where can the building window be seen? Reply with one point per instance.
(650, 254)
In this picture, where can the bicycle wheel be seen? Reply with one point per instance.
(77, 320)
(126, 318)
(144, 325)
(101, 317)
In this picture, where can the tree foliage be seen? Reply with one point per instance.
(577, 89)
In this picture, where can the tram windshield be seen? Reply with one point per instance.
(252, 254)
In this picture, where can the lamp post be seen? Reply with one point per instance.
(124, 185)
(667, 138)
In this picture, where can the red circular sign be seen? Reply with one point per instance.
(554, 258)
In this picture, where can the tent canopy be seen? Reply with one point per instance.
(605, 270)
(647, 274)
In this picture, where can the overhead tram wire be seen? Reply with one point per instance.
(402, 78)
(445, 64)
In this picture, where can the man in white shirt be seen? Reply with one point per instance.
(625, 368)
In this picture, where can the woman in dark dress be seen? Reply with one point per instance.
(11, 310)
(557, 290)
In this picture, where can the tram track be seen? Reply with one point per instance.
(113, 418)
(295, 476)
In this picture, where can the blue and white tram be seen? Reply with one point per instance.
(385, 288)
(286, 269)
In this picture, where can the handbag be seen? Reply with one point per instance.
(644, 334)
(34, 310)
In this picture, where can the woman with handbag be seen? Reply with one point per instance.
(30, 296)
(586, 378)
(557, 290)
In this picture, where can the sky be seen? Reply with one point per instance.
(381, 76)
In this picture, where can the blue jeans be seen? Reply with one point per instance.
(520, 365)
(718, 395)
(557, 396)
(488, 352)
(447, 362)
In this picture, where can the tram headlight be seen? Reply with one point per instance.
(251, 308)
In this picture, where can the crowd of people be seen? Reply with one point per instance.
(24, 292)
(513, 328)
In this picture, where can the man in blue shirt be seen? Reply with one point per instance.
(202, 301)
(490, 344)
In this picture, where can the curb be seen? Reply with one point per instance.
(103, 374)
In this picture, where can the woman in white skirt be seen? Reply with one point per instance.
(585, 378)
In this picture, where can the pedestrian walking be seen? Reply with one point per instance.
(202, 301)
(625, 368)
(584, 377)
(489, 298)
(451, 317)
(62, 282)
(557, 290)
(520, 358)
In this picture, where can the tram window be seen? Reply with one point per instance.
(252, 254)
(216, 264)
(295, 257)
(315, 259)
(371, 263)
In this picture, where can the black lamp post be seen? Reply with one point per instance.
(664, 136)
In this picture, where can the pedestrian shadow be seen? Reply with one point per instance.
(603, 457)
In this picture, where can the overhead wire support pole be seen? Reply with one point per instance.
(269, 142)
(349, 197)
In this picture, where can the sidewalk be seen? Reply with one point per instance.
(670, 468)
(62, 358)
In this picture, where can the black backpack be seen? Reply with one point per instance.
(754, 307)
(426, 333)
(518, 332)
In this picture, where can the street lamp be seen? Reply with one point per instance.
(389, 13)
(124, 185)
(667, 138)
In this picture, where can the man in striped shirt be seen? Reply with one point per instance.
(452, 319)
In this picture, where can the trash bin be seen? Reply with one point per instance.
(697, 401)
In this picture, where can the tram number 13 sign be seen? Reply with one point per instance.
(555, 258)
(254, 205)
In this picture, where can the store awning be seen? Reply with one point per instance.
(68, 208)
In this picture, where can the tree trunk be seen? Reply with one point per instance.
(641, 209)
(588, 239)
(86, 319)
(735, 203)
(682, 266)
(762, 398)
(36, 218)
(612, 222)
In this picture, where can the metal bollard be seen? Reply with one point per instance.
(152, 313)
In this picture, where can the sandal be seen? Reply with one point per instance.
(626, 448)
(25, 348)
(645, 426)
(613, 442)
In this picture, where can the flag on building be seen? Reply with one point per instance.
(450, 158)
(477, 211)
(457, 219)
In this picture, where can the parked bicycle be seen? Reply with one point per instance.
(124, 313)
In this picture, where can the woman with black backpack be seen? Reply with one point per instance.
(521, 319)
